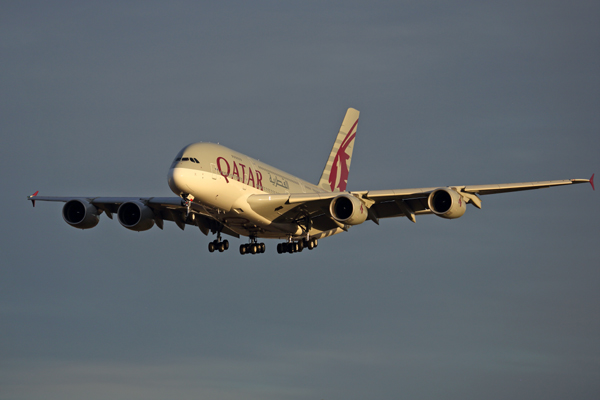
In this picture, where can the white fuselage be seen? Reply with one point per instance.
(220, 180)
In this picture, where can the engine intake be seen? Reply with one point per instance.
(80, 214)
(136, 216)
(348, 209)
(447, 203)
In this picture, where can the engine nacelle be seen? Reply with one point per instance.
(447, 203)
(136, 216)
(348, 210)
(80, 214)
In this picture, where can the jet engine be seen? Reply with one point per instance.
(348, 209)
(447, 203)
(80, 214)
(136, 216)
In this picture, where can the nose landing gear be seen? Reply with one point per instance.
(186, 201)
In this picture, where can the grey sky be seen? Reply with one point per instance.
(96, 98)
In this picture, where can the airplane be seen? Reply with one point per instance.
(224, 192)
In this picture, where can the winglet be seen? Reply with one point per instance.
(592, 182)
(32, 198)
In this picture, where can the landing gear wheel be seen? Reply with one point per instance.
(253, 248)
(211, 246)
(226, 244)
(221, 247)
(242, 249)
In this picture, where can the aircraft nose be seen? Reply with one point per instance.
(176, 180)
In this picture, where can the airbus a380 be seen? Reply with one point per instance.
(222, 191)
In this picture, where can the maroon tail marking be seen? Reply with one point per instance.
(341, 157)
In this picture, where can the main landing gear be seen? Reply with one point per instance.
(219, 245)
(252, 247)
(297, 247)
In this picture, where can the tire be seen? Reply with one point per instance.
(226, 244)
(211, 246)
(242, 249)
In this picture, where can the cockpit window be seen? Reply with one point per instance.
(183, 159)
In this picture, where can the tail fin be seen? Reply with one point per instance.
(335, 173)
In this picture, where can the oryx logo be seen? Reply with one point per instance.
(342, 159)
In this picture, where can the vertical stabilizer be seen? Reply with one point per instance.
(335, 173)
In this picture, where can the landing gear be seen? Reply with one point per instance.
(296, 247)
(218, 245)
(186, 201)
(252, 247)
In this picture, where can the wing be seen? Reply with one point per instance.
(163, 208)
(411, 202)
(380, 203)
